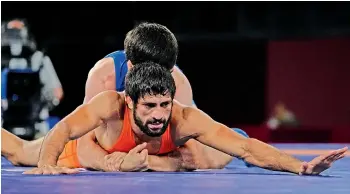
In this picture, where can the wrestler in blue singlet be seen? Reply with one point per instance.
(121, 69)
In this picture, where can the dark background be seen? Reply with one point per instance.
(223, 46)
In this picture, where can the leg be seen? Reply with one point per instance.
(19, 151)
(196, 155)
(201, 156)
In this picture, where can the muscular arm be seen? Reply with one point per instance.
(204, 129)
(82, 120)
(90, 154)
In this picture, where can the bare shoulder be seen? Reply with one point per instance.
(184, 112)
(102, 67)
(183, 122)
(190, 118)
(109, 97)
(179, 76)
(107, 104)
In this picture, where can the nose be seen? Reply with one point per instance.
(158, 114)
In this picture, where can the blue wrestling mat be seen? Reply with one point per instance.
(234, 179)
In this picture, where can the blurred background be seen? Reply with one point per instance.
(278, 70)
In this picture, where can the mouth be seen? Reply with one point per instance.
(155, 126)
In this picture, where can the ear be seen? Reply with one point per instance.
(129, 64)
(129, 102)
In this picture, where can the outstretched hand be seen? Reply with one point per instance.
(323, 162)
(51, 170)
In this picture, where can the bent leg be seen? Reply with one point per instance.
(26, 153)
(18, 151)
(201, 156)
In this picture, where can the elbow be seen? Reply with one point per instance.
(61, 132)
(65, 130)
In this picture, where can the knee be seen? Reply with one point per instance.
(220, 164)
(217, 161)
(15, 157)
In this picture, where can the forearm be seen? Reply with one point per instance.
(251, 150)
(53, 145)
(266, 156)
(90, 154)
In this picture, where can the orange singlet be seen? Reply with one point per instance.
(125, 143)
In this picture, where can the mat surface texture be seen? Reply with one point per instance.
(235, 178)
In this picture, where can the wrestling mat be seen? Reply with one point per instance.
(235, 178)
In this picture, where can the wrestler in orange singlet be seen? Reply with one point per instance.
(146, 42)
(148, 115)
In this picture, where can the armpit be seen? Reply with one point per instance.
(183, 140)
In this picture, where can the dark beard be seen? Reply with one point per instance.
(146, 130)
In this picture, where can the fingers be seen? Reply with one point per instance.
(116, 157)
(113, 160)
(70, 171)
(336, 154)
(344, 149)
(48, 170)
(144, 155)
(138, 148)
(33, 171)
(341, 151)
(51, 171)
(329, 155)
(117, 161)
(335, 157)
(341, 156)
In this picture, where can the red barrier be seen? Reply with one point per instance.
(312, 78)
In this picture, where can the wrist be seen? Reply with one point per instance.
(297, 168)
(46, 163)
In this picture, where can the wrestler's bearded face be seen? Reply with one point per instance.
(152, 114)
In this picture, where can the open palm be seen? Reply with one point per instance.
(323, 162)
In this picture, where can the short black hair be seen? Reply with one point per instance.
(151, 42)
(149, 78)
